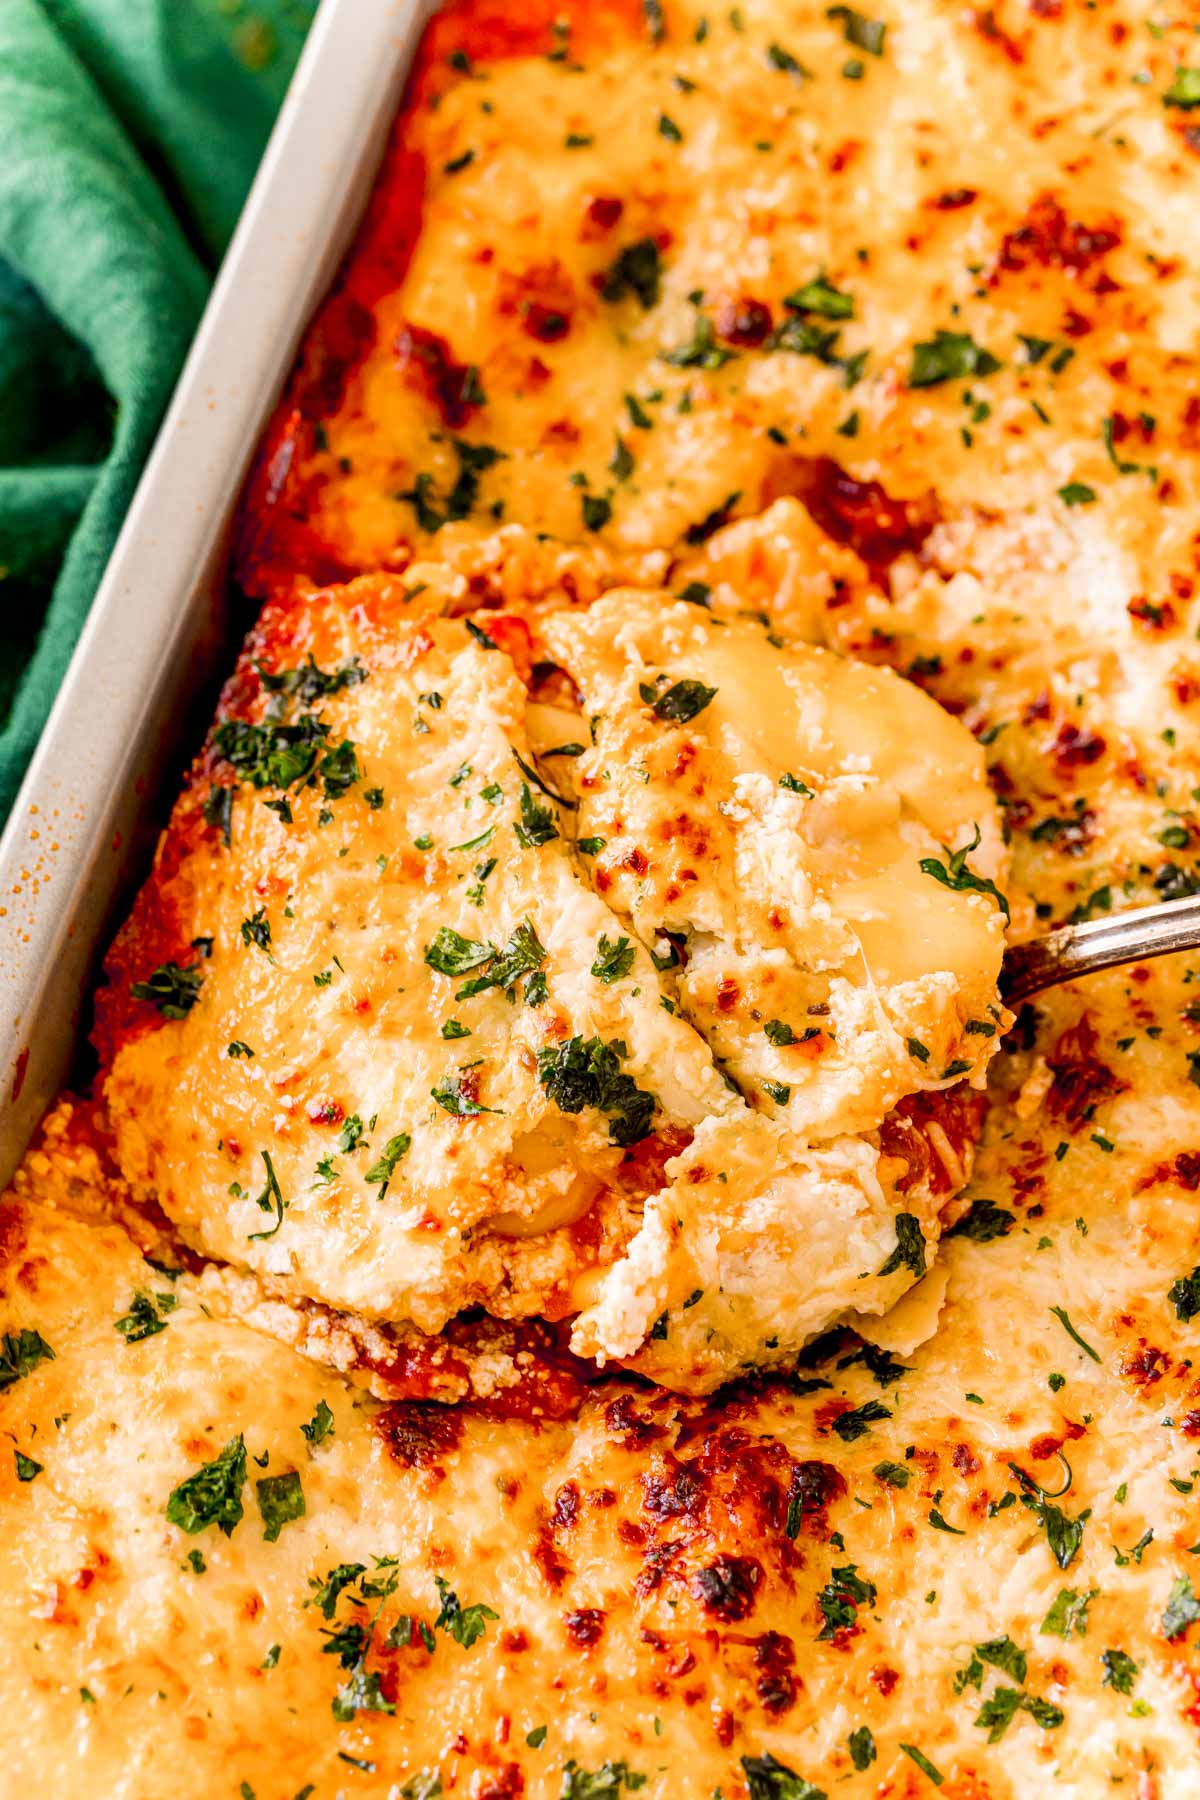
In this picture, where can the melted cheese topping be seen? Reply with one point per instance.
(781, 831)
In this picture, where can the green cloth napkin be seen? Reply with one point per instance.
(129, 134)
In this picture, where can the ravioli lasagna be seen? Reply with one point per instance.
(570, 1281)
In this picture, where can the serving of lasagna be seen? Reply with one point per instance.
(569, 1279)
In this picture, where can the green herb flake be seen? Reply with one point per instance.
(172, 989)
(923, 1763)
(614, 959)
(380, 1173)
(212, 1495)
(465, 1624)
(955, 874)
(1064, 1319)
(320, 1426)
(863, 33)
(1120, 1671)
(20, 1354)
(856, 1422)
(910, 1246)
(27, 1469)
(280, 1500)
(949, 356)
(682, 701)
(581, 1073)
(145, 1318)
(1068, 1616)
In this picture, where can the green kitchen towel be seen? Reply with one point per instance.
(129, 133)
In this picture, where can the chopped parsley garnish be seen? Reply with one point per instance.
(1184, 1295)
(776, 1032)
(778, 1091)
(794, 785)
(145, 1318)
(955, 874)
(321, 1425)
(308, 682)
(1184, 91)
(787, 64)
(452, 954)
(596, 511)
(669, 129)
(1120, 1671)
(1064, 1535)
(1069, 1614)
(1077, 493)
(1001, 1708)
(614, 959)
(237, 1049)
(714, 521)
(380, 1173)
(637, 270)
(455, 1097)
(173, 989)
(679, 702)
(581, 1073)
(280, 1500)
(537, 824)
(984, 1221)
(840, 1598)
(257, 930)
(27, 1468)
(282, 756)
(821, 297)
(861, 1746)
(856, 1423)
(949, 356)
(865, 34)
(213, 1494)
(1001, 1653)
(892, 1474)
(703, 352)
(1064, 1319)
(522, 955)
(328, 1591)
(465, 1624)
(473, 461)
(218, 811)
(20, 1354)
(910, 1246)
(270, 1200)
(1182, 1609)
(769, 1779)
(454, 1028)
(598, 1784)
(923, 1763)
(590, 846)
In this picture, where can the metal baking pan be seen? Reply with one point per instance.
(130, 709)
